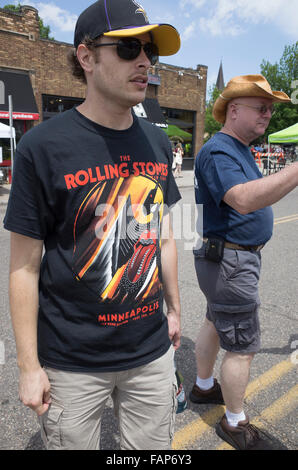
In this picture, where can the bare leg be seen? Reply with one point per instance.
(235, 370)
(207, 347)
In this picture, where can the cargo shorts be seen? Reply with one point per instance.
(144, 401)
(231, 291)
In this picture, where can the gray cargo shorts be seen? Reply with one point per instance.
(231, 291)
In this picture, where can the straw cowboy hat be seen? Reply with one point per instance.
(245, 85)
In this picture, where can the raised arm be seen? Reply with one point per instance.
(254, 195)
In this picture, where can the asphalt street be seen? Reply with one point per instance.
(272, 397)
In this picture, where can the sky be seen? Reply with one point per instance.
(240, 33)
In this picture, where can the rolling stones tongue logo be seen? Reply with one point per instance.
(141, 266)
(116, 240)
(145, 250)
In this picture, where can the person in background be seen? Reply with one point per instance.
(238, 222)
(174, 158)
(179, 160)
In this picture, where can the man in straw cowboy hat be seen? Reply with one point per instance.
(89, 320)
(238, 221)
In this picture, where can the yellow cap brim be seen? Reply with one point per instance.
(165, 36)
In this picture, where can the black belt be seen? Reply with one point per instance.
(235, 246)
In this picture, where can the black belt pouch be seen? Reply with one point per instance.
(214, 249)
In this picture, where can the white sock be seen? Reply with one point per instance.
(234, 418)
(205, 384)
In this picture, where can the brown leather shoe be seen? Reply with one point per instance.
(213, 395)
(245, 436)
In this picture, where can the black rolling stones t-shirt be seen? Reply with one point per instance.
(96, 197)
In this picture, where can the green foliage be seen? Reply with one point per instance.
(16, 8)
(43, 30)
(280, 76)
(211, 126)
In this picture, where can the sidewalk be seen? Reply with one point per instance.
(4, 194)
(187, 180)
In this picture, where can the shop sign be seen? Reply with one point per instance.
(20, 116)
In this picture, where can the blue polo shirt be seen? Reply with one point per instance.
(222, 163)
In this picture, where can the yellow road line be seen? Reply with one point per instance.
(268, 378)
(286, 220)
(279, 408)
(286, 217)
(194, 430)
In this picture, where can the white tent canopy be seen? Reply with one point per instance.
(5, 132)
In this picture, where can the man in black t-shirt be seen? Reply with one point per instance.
(93, 187)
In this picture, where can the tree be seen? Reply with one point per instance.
(211, 126)
(16, 8)
(281, 76)
(44, 31)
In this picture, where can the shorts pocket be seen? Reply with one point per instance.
(229, 264)
(245, 331)
(235, 324)
(226, 331)
(173, 410)
(50, 423)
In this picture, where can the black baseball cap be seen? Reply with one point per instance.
(123, 18)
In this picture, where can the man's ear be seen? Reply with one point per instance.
(85, 57)
(232, 110)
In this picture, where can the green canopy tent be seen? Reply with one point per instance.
(285, 136)
(175, 132)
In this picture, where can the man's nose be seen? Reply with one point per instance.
(143, 59)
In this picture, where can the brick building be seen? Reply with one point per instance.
(36, 73)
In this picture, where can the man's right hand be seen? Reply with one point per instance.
(34, 390)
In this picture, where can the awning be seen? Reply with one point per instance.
(180, 123)
(151, 111)
(285, 136)
(18, 85)
(175, 132)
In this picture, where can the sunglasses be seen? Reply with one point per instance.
(130, 49)
(261, 109)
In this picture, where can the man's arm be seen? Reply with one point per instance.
(169, 264)
(25, 258)
(254, 195)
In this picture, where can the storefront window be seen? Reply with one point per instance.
(184, 120)
(52, 105)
